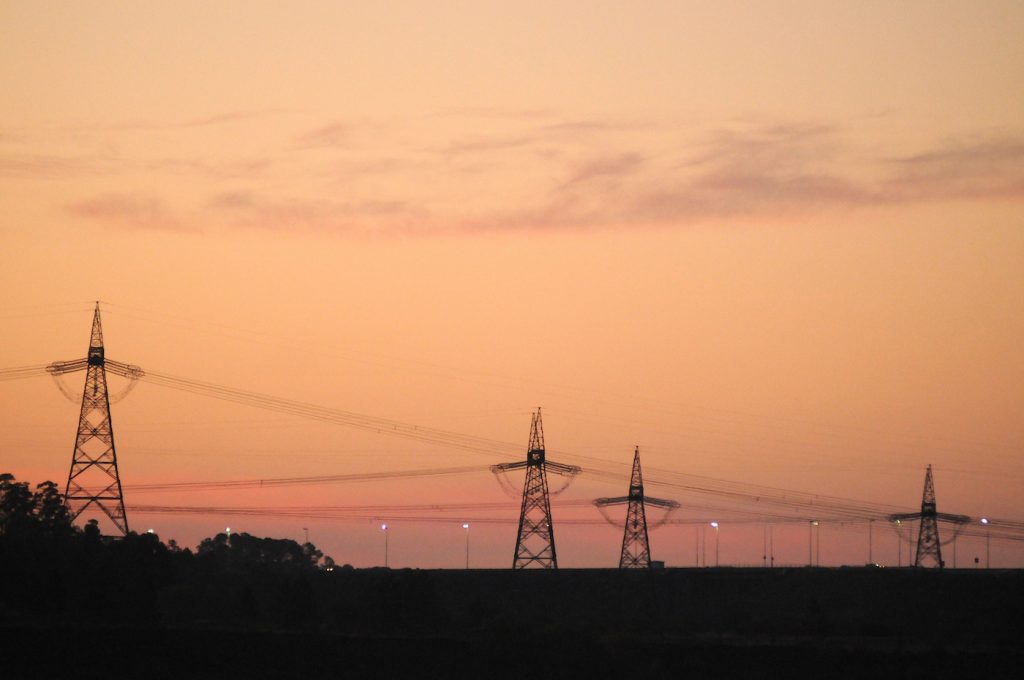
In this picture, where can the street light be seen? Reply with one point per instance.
(698, 531)
(988, 543)
(466, 527)
(714, 525)
(899, 545)
(703, 546)
(384, 528)
(871, 559)
(810, 542)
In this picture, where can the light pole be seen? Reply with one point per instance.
(306, 529)
(810, 542)
(764, 546)
(384, 528)
(817, 544)
(703, 545)
(715, 527)
(466, 527)
(871, 523)
(899, 545)
(771, 544)
(696, 544)
(988, 543)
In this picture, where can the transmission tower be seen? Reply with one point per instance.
(928, 544)
(94, 479)
(535, 542)
(636, 549)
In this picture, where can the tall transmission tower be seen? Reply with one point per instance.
(928, 544)
(535, 542)
(93, 480)
(636, 548)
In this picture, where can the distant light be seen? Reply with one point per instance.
(714, 524)
(465, 526)
(383, 527)
(814, 522)
(149, 531)
(228, 530)
(898, 522)
(984, 520)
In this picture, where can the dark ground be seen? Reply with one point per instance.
(701, 623)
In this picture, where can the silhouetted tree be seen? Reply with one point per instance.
(25, 514)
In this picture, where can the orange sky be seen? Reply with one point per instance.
(781, 245)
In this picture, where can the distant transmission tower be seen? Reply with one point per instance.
(636, 548)
(94, 479)
(535, 543)
(928, 544)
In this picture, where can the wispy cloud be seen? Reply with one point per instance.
(962, 169)
(765, 172)
(222, 118)
(327, 136)
(360, 217)
(209, 168)
(548, 174)
(135, 211)
(495, 112)
(48, 166)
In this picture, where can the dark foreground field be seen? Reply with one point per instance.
(708, 623)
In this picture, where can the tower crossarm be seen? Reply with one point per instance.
(504, 467)
(124, 370)
(661, 503)
(562, 468)
(62, 367)
(552, 466)
(617, 500)
(944, 516)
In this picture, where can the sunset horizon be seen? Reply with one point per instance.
(777, 247)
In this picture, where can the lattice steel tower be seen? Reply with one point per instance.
(94, 481)
(535, 542)
(928, 544)
(636, 548)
